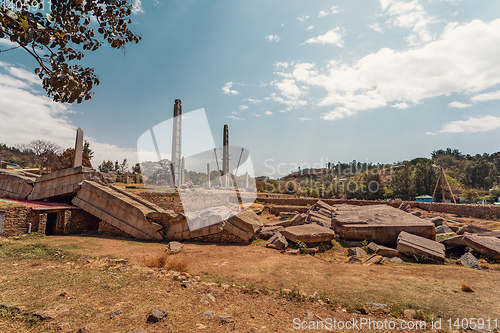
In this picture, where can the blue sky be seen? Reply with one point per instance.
(297, 82)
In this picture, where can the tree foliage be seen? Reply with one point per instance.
(57, 40)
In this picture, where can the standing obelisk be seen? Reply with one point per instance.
(225, 157)
(177, 143)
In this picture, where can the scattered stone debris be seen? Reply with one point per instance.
(405, 206)
(420, 247)
(115, 313)
(437, 220)
(453, 242)
(383, 251)
(356, 251)
(208, 314)
(278, 241)
(269, 231)
(226, 318)
(156, 315)
(244, 225)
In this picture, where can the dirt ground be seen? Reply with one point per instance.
(92, 288)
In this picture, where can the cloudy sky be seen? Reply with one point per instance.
(297, 81)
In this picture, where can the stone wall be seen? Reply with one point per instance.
(80, 221)
(463, 210)
(15, 222)
(108, 229)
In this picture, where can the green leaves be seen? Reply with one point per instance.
(65, 34)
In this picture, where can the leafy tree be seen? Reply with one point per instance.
(136, 169)
(46, 152)
(424, 178)
(106, 166)
(57, 40)
(401, 182)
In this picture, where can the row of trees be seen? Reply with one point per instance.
(469, 176)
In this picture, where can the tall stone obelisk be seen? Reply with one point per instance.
(225, 157)
(177, 143)
(78, 157)
(208, 173)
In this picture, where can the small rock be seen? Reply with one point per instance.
(208, 314)
(378, 306)
(443, 229)
(438, 220)
(409, 313)
(188, 283)
(354, 260)
(119, 261)
(226, 318)
(293, 251)
(396, 260)
(405, 206)
(115, 313)
(356, 251)
(156, 315)
(210, 297)
(312, 250)
(51, 313)
(308, 316)
(200, 326)
(416, 213)
(174, 247)
(468, 260)
(179, 278)
(84, 329)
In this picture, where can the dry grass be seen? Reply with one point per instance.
(466, 288)
(166, 261)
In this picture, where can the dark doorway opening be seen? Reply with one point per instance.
(51, 226)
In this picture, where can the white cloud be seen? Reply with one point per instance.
(234, 117)
(338, 113)
(26, 114)
(7, 44)
(401, 106)
(137, 7)
(409, 15)
(227, 89)
(289, 89)
(486, 97)
(303, 18)
(333, 10)
(322, 13)
(409, 76)
(243, 107)
(458, 105)
(304, 119)
(280, 64)
(251, 100)
(376, 27)
(309, 28)
(472, 125)
(268, 113)
(333, 36)
(257, 115)
(273, 38)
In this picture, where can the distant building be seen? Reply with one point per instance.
(7, 165)
(423, 198)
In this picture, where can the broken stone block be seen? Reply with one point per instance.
(405, 206)
(373, 247)
(244, 225)
(468, 260)
(413, 245)
(354, 260)
(310, 250)
(323, 205)
(298, 219)
(495, 234)
(373, 260)
(308, 233)
(268, 232)
(385, 251)
(416, 213)
(278, 241)
(356, 251)
(453, 242)
(472, 229)
(489, 246)
(283, 224)
(293, 251)
(378, 223)
(443, 229)
(396, 260)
